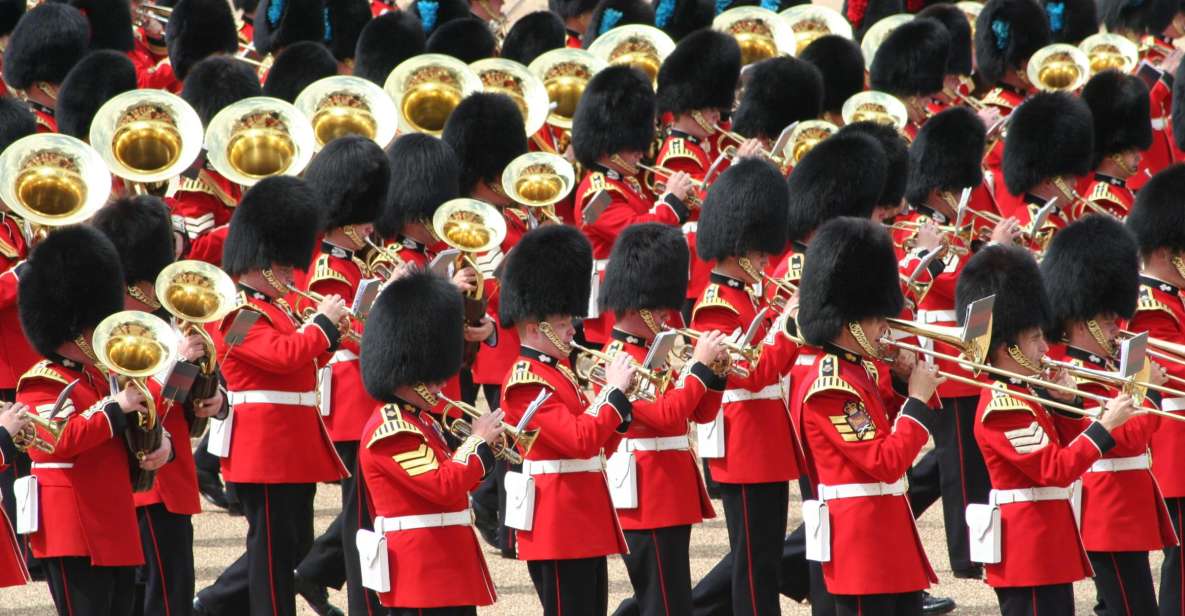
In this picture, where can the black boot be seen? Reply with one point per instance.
(936, 605)
(210, 487)
(316, 596)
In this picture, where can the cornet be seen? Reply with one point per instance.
(660, 186)
(731, 150)
(647, 384)
(345, 327)
(736, 353)
(28, 437)
(506, 447)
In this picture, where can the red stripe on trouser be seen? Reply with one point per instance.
(1180, 563)
(1034, 601)
(859, 606)
(1127, 609)
(65, 586)
(662, 582)
(160, 568)
(271, 574)
(748, 548)
(559, 604)
(959, 447)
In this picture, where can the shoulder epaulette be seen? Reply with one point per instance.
(1102, 192)
(521, 374)
(828, 379)
(521, 215)
(676, 148)
(42, 370)
(393, 423)
(712, 299)
(245, 304)
(794, 267)
(996, 97)
(1004, 401)
(323, 271)
(596, 183)
(1147, 301)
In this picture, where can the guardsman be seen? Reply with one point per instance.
(141, 230)
(660, 493)
(1122, 134)
(7, 22)
(297, 66)
(779, 91)
(286, 22)
(1050, 145)
(841, 63)
(1070, 21)
(561, 497)
(1030, 465)
(16, 356)
(351, 176)
(86, 536)
(96, 78)
(876, 563)
(911, 65)
(111, 28)
(386, 41)
(197, 29)
(416, 486)
(577, 15)
(889, 202)
(957, 84)
(1156, 219)
(424, 174)
(13, 572)
(271, 382)
(344, 22)
(611, 132)
(46, 43)
(1092, 276)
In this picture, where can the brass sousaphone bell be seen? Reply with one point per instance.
(811, 21)
(564, 73)
(132, 346)
(878, 33)
(804, 137)
(344, 105)
(640, 46)
(761, 33)
(1058, 68)
(502, 76)
(875, 106)
(259, 137)
(52, 180)
(147, 136)
(472, 227)
(539, 180)
(1110, 51)
(426, 89)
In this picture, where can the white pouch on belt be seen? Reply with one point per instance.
(520, 501)
(984, 523)
(816, 521)
(709, 437)
(325, 389)
(372, 552)
(27, 505)
(622, 471)
(1076, 501)
(220, 431)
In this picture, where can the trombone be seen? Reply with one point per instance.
(1165, 350)
(28, 437)
(647, 384)
(1132, 385)
(504, 448)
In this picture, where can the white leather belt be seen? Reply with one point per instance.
(1028, 495)
(425, 520)
(555, 467)
(260, 396)
(937, 316)
(600, 264)
(342, 355)
(690, 227)
(769, 392)
(1114, 465)
(1172, 404)
(805, 359)
(662, 443)
(53, 465)
(854, 490)
(1158, 123)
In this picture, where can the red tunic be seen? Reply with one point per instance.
(46, 122)
(682, 152)
(555, 140)
(86, 500)
(1161, 312)
(12, 562)
(409, 470)
(277, 355)
(1022, 449)
(1112, 194)
(1162, 152)
(1005, 99)
(204, 201)
(574, 515)
(175, 485)
(671, 491)
(16, 356)
(493, 362)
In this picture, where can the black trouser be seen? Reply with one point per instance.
(1172, 570)
(279, 534)
(18, 467)
(432, 611)
(925, 487)
(756, 517)
(659, 567)
(1052, 600)
(166, 581)
(573, 587)
(207, 462)
(1124, 582)
(898, 604)
(78, 589)
(962, 475)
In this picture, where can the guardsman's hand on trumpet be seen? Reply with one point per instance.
(1006, 231)
(489, 427)
(709, 349)
(14, 417)
(679, 184)
(750, 148)
(620, 372)
(333, 307)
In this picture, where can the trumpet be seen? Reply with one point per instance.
(28, 438)
(731, 150)
(505, 448)
(946, 230)
(647, 384)
(785, 289)
(345, 326)
(660, 186)
(381, 261)
(736, 353)
(539, 180)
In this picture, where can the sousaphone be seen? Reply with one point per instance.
(564, 73)
(344, 105)
(878, 33)
(811, 21)
(259, 137)
(539, 180)
(875, 106)
(147, 136)
(761, 33)
(1058, 68)
(502, 76)
(1110, 51)
(472, 227)
(426, 89)
(640, 46)
(52, 180)
(804, 137)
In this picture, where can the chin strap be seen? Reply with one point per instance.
(425, 395)
(630, 168)
(1120, 162)
(1017, 356)
(747, 266)
(270, 277)
(1096, 332)
(87, 349)
(139, 295)
(351, 231)
(549, 333)
(1179, 265)
(702, 122)
(866, 345)
(648, 319)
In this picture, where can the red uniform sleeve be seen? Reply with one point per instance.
(84, 429)
(281, 353)
(410, 464)
(885, 458)
(347, 292)
(1019, 438)
(8, 288)
(671, 411)
(571, 435)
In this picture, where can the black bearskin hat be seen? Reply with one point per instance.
(93, 81)
(345, 20)
(141, 229)
(1091, 267)
(532, 35)
(844, 175)
(862, 14)
(612, 13)
(647, 269)
(1158, 216)
(351, 176)
(486, 132)
(955, 21)
(216, 82)
(1139, 17)
(947, 154)
(896, 155)
(1120, 109)
(1007, 32)
(549, 272)
(386, 41)
(1070, 21)
(850, 275)
(912, 59)
(841, 63)
(778, 92)
(467, 39)
(73, 281)
(16, 120)
(615, 114)
(413, 335)
(198, 29)
(276, 221)
(1050, 134)
(678, 18)
(436, 13)
(46, 43)
(570, 9)
(110, 23)
(425, 173)
(280, 23)
(745, 211)
(297, 66)
(701, 73)
(1011, 274)
(11, 12)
